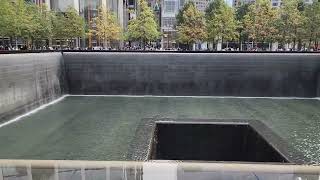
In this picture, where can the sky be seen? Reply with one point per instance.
(229, 2)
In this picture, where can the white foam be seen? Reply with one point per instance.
(204, 97)
(33, 111)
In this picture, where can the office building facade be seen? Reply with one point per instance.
(274, 3)
(42, 2)
(170, 9)
(88, 9)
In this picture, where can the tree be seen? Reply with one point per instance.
(6, 16)
(21, 21)
(107, 27)
(291, 21)
(221, 22)
(179, 16)
(58, 26)
(143, 28)
(312, 24)
(41, 28)
(260, 22)
(192, 25)
(68, 25)
(74, 24)
(241, 11)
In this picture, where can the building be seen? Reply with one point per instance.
(277, 3)
(201, 4)
(42, 2)
(118, 8)
(62, 5)
(236, 3)
(274, 3)
(169, 10)
(88, 9)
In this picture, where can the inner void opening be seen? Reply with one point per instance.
(211, 142)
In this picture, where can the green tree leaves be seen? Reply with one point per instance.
(259, 22)
(290, 22)
(41, 28)
(312, 25)
(6, 18)
(67, 25)
(107, 27)
(143, 28)
(74, 24)
(221, 22)
(34, 24)
(191, 25)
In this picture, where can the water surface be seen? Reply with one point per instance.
(101, 128)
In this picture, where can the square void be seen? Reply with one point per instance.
(211, 142)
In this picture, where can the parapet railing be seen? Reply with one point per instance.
(153, 170)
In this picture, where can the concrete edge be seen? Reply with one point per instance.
(212, 97)
(187, 166)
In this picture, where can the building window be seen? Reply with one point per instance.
(181, 3)
(169, 6)
(168, 22)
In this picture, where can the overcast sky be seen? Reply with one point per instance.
(229, 2)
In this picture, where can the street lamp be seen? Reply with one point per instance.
(157, 10)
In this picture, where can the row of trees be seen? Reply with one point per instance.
(36, 25)
(293, 23)
(143, 28)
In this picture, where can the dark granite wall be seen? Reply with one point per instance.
(28, 81)
(221, 74)
(318, 84)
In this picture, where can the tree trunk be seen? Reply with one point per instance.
(299, 44)
(221, 43)
(10, 42)
(213, 45)
(32, 44)
(310, 41)
(3, 41)
(240, 42)
(16, 42)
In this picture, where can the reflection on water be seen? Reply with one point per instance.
(43, 173)
(11, 173)
(148, 171)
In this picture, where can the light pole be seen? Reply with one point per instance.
(166, 36)
(157, 10)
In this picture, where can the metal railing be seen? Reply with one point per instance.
(153, 170)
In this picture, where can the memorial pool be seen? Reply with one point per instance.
(103, 127)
